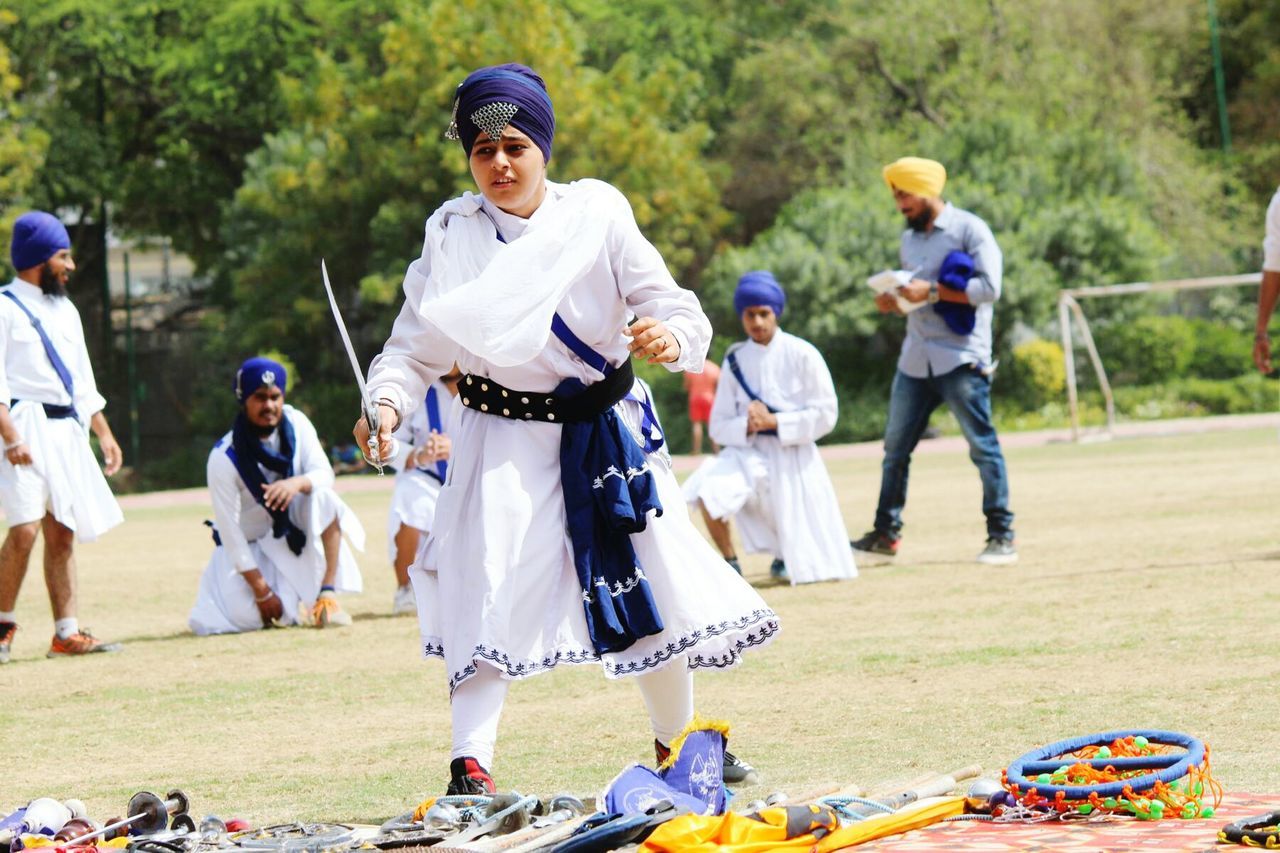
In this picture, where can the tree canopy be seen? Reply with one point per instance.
(261, 135)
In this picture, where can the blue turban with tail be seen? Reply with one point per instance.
(258, 372)
(514, 84)
(759, 287)
(37, 237)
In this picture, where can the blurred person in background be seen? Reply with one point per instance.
(770, 411)
(279, 557)
(701, 388)
(423, 446)
(1269, 293)
(49, 478)
(957, 268)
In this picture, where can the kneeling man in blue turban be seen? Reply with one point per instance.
(279, 555)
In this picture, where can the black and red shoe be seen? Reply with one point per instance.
(466, 776)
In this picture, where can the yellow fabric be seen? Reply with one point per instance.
(423, 807)
(737, 833)
(733, 832)
(37, 841)
(912, 817)
(917, 176)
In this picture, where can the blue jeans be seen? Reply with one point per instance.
(967, 392)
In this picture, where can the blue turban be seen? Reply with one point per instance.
(258, 372)
(513, 84)
(759, 287)
(37, 237)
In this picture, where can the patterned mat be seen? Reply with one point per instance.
(1116, 835)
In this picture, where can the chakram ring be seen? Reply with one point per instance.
(1165, 768)
(1259, 831)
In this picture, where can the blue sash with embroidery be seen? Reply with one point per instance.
(608, 493)
(732, 359)
(59, 366)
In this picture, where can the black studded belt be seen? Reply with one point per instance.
(484, 395)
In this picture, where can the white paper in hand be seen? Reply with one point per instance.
(890, 281)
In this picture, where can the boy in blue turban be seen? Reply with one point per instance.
(279, 555)
(50, 481)
(775, 400)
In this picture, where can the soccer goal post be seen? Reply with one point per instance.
(1069, 307)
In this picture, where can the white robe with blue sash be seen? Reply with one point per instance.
(776, 486)
(496, 583)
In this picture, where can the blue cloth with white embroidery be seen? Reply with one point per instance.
(608, 493)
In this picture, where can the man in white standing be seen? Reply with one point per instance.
(1269, 293)
(49, 479)
(280, 557)
(774, 400)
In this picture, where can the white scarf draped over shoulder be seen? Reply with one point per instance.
(497, 299)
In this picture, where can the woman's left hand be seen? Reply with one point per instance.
(651, 339)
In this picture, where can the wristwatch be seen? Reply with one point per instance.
(933, 292)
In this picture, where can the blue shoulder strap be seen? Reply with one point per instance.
(434, 425)
(732, 360)
(59, 366)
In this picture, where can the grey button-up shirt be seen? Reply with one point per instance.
(931, 347)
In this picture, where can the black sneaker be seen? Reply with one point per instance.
(7, 630)
(1000, 551)
(735, 771)
(468, 777)
(875, 542)
(738, 772)
(734, 564)
(778, 571)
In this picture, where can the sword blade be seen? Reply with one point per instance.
(370, 411)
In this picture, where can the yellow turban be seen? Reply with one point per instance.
(917, 176)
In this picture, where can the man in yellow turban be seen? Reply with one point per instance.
(956, 267)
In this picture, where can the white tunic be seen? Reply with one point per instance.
(225, 602)
(496, 582)
(417, 490)
(65, 478)
(777, 486)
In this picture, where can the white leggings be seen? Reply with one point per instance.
(477, 705)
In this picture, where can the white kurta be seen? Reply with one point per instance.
(65, 478)
(417, 490)
(776, 486)
(496, 583)
(225, 604)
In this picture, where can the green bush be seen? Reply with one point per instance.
(1221, 352)
(1147, 349)
(1036, 373)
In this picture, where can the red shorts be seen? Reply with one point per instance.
(700, 408)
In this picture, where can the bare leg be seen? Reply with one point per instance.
(406, 548)
(697, 438)
(14, 556)
(331, 539)
(60, 567)
(719, 531)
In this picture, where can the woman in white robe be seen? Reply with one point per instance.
(498, 594)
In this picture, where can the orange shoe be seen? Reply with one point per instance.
(79, 643)
(328, 613)
(7, 630)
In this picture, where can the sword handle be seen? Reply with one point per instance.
(372, 419)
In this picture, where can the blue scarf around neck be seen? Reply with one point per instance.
(247, 452)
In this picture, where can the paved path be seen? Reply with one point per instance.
(860, 450)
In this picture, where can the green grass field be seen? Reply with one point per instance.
(1146, 597)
